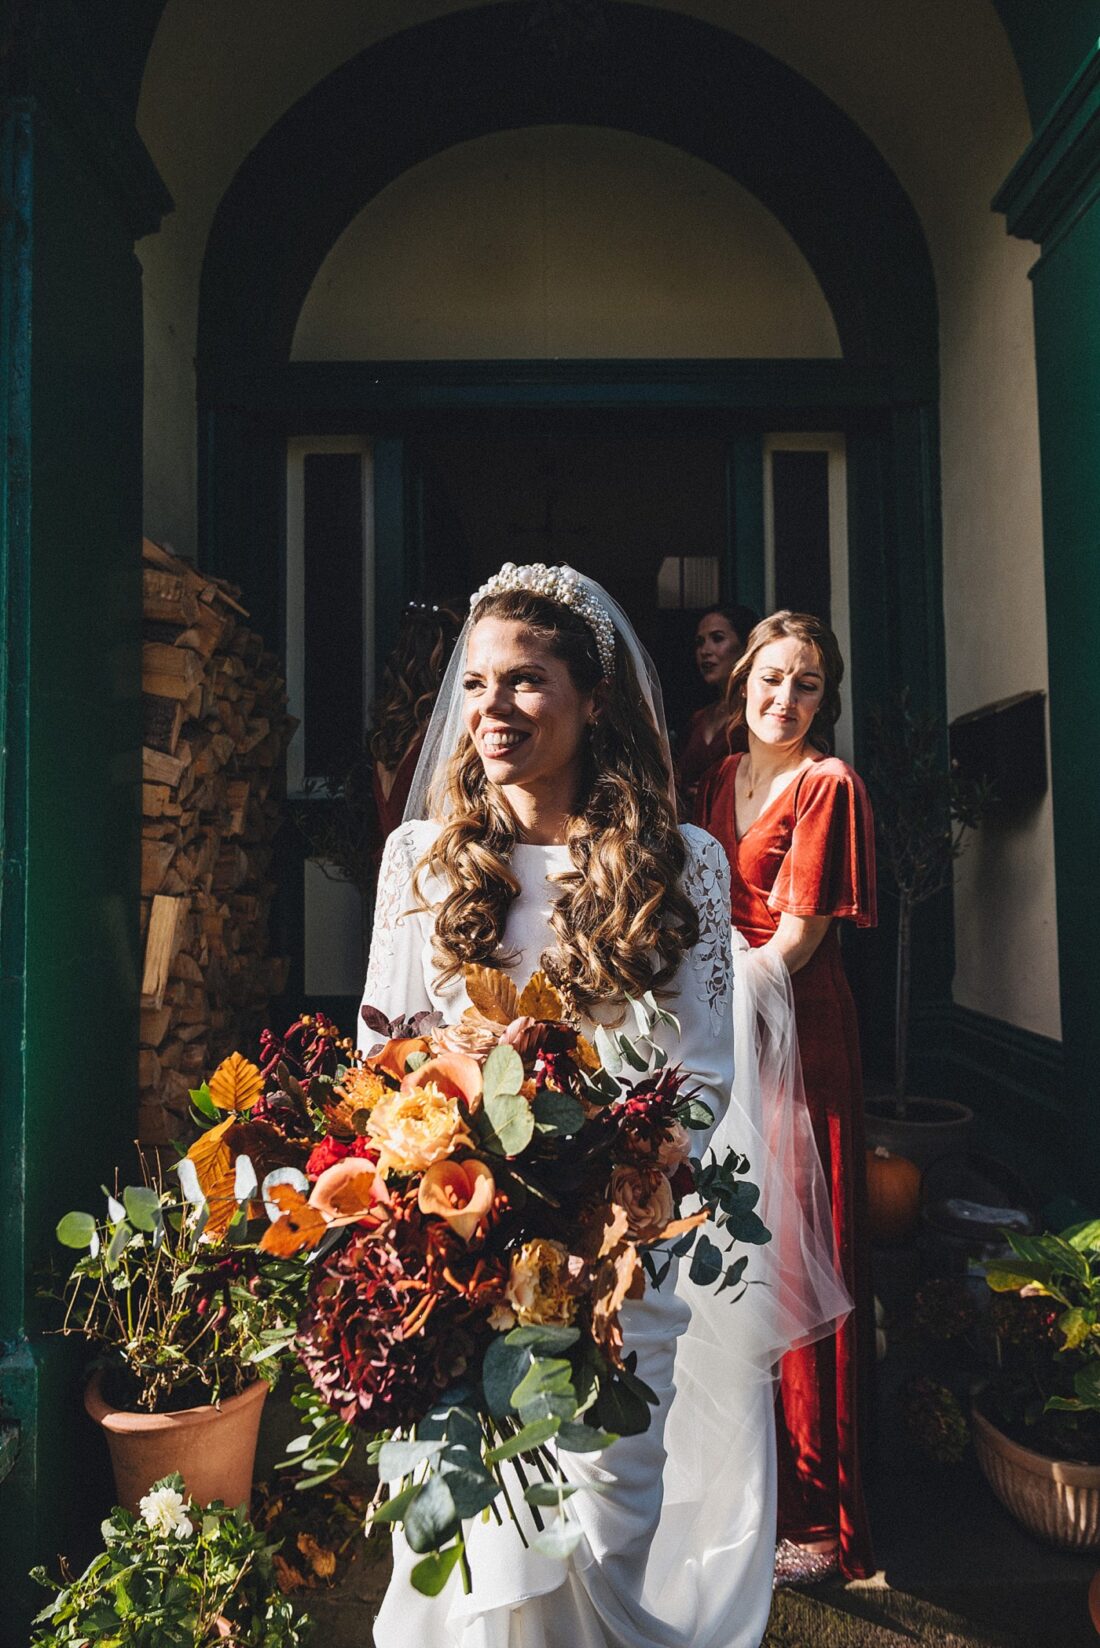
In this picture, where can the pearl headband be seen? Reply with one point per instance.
(561, 584)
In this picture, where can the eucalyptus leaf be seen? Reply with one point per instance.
(506, 1124)
(550, 1493)
(431, 1574)
(142, 1207)
(559, 1540)
(502, 1369)
(431, 1516)
(76, 1230)
(502, 1072)
(530, 1436)
(575, 1438)
(189, 1183)
(558, 1115)
(398, 1459)
(394, 1509)
(115, 1210)
(706, 1262)
(543, 1336)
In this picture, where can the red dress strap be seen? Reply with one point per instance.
(829, 866)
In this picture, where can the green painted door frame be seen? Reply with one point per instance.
(77, 189)
(1052, 197)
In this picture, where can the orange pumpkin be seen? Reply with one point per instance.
(893, 1194)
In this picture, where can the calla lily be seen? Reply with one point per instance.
(459, 1192)
(349, 1191)
(390, 1059)
(456, 1075)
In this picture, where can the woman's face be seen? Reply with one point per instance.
(783, 692)
(526, 717)
(717, 648)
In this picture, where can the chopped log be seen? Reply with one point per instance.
(156, 1128)
(148, 1068)
(156, 856)
(163, 722)
(156, 799)
(168, 597)
(160, 946)
(154, 1025)
(158, 768)
(170, 672)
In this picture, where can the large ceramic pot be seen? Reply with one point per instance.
(212, 1447)
(1057, 1499)
(929, 1130)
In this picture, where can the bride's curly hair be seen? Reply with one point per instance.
(622, 922)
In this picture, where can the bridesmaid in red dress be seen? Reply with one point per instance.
(797, 828)
(719, 642)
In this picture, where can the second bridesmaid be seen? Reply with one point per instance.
(797, 828)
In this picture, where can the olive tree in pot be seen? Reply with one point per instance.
(923, 810)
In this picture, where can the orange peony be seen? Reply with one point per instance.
(460, 1192)
(645, 1196)
(540, 1285)
(413, 1129)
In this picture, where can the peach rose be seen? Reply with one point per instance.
(540, 1287)
(415, 1128)
(524, 1034)
(460, 1192)
(645, 1196)
(675, 1149)
(474, 1035)
(350, 1191)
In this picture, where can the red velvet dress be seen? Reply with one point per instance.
(811, 853)
(698, 754)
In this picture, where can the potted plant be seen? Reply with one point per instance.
(923, 810)
(189, 1333)
(1027, 1360)
(175, 1575)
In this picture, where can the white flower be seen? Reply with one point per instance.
(165, 1511)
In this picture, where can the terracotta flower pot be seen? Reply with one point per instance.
(212, 1447)
(1057, 1499)
(931, 1129)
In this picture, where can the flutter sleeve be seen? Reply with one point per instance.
(829, 867)
(396, 983)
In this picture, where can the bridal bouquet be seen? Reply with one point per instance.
(475, 1201)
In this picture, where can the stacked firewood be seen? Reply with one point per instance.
(216, 729)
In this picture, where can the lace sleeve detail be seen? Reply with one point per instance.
(394, 976)
(706, 881)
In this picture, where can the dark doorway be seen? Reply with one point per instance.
(617, 507)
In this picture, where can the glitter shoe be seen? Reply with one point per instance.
(803, 1564)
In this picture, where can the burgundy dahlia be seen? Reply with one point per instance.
(648, 1114)
(394, 1319)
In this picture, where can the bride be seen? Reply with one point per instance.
(541, 832)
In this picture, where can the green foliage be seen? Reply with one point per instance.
(178, 1321)
(148, 1589)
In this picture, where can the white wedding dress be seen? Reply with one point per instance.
(679, 1539)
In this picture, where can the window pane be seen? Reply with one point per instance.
(333, 610)
(800, 499)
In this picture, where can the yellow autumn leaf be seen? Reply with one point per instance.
(212, 1157)
(586, 1054)
(492, 993)
(236, 1084)
(540, 1000)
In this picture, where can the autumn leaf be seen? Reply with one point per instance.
(298, 1226)
(680, 1227)
(540, 1000)
(614, 1282)
(492, 993)
(586, 1054)
(212, 1157)
(236, 1084)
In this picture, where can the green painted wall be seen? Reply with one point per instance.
(1050, 39)
(70, 331)
(1067, 320)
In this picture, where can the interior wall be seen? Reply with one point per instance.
(937, 90)
(564, 241)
